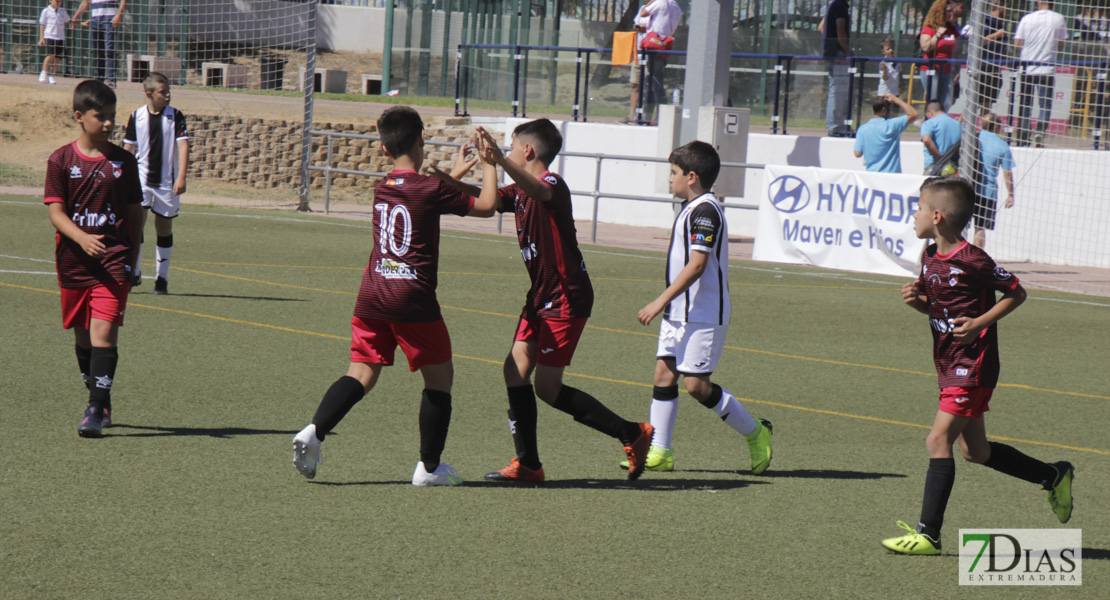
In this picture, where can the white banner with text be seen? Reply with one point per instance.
(851, 220)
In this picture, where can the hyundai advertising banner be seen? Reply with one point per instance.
(851, 220)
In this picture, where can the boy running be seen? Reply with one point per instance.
(696, 306)
(92, 193)
(956, 289)
(557, 305)
(157, 134)
(397, 303)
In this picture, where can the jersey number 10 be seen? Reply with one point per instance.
(388, 223)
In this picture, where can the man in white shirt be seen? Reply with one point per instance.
(1039, 36)
(664, 16)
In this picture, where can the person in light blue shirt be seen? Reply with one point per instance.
(877, 140)
(939, 133)
(994, 155)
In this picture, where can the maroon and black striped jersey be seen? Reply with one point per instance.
(963, 284)
(96, 193)
(561, 288)
(399, 283)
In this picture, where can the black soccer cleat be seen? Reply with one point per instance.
(92, 423)
(161, 287)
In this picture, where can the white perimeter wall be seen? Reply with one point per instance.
(1057, 219)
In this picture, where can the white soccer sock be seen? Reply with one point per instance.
(163, 257)
(139, 260)
(733, 413)
(663, 415)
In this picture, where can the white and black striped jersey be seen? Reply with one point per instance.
(701, 227)
(155, 139)
(103, 9)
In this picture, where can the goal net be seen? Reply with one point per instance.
(235, 68)
(1035, 119)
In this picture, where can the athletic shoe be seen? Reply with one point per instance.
(136, 280)
(108, 416)
(306, 452)
(42, 77)
(516, 472)
(110, 83)
(759, 445)
(637, 451)
(658, 459)
(912, 543)
(444, 474)
(1059, 497)
(161, 288)
(50, 78)
(91, 423)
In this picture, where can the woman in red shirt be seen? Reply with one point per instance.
(940, 39)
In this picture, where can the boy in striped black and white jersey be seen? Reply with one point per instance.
(696, 307)
(159, 138)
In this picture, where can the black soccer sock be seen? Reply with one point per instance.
(938, 487)
(102, 370)
(522, 424)
(435, 419)
(165, 241)
(338, 400)
(588, 411)
(1009, 460)
(84, 357)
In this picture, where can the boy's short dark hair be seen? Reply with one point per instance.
(155, 79)
(92, 95)
(400, 128)
(888, 42)
(953, 196)
(544, 137)
(700, 158)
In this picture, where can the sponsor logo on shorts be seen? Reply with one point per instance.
(961, 399)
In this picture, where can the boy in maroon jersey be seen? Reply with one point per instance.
(397, 302)
(956, 289)
(93, 195)
(557, 305)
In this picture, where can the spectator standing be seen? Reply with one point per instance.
(994, 156)
(107, 15)
(877, 141)
(1038, 37)
(836, 33)
(52, 36)
(994, 50)
(663, 16)
(939, 133)
(939, 39)
(890, 73)
(639, 28)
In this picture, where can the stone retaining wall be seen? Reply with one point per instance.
(266, 154)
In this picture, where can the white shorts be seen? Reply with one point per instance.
(161, 202)
(695, 347)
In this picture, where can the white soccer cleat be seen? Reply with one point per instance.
(444, 474)
(306, 452)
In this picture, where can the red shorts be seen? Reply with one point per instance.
(555, 339)
(374, 341)
(104, 301)
(966, 402)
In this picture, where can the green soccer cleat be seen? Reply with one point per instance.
(658, 459)
(912, 543)
(759, 445)
(1059, 497)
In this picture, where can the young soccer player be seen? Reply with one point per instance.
(696, 306)
(557, 305)
(52, 36)
(956, 289)
(92, 193)
(397, 302)
(158, 136)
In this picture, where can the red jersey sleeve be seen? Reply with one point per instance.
(453, 201)
(506, 197)
(995, 277)
(56, 188)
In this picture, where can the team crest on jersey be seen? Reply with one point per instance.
(391, 269)
(1001, 274)
(75, 172)
(952, 279)
(117, 168)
